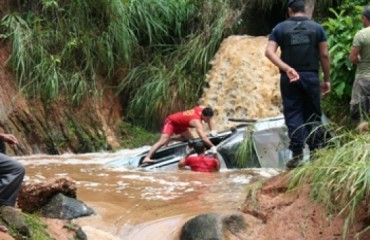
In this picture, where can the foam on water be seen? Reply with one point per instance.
(97, 158)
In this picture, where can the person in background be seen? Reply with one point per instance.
(303, 48)
(180, 123)
(200, 162)
(360, 55)
(11, 176)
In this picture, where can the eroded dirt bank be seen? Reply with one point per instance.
(294, 215)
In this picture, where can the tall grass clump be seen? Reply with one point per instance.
(339, 177)
(61, 47)
(245, 154)
(64, 47)
(178, 42)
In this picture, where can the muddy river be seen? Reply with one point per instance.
(137, 204)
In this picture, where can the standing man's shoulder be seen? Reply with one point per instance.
(361, 36)
(278, 27)
(319, 29)
(276, 32)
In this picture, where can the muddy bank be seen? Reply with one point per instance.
(56, 229)
(293, 215)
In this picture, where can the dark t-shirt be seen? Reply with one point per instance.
(276, 34)
(299, 39)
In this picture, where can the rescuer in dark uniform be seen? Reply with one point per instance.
(303, 48)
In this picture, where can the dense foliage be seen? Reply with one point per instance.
(341, 26)
(341, 30)
(170, 74)
(155, 53)
(163, 48)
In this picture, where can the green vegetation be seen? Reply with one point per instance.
(170, 74)
(245, 154)
(64, 47)
(252, 191)
(58, 49)
(341, 30)
(340, 174)
(164, 47)
(339, 177)
(134, 136)
(341, 26)
(37, 227)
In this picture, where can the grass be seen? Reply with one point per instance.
(176, 55)
(61, 48)
(339, 177)
(164, 46)
(134, 137)
(37, 227)
(245, 152)
(252, 191)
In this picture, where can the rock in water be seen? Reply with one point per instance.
(66, 208)
(215, 226)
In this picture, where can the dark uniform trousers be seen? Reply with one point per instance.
(302, 111)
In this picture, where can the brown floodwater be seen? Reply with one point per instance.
(137, 204)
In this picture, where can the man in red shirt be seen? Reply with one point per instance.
(180, 123)
(201, 162)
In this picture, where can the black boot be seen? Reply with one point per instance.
(296, 159)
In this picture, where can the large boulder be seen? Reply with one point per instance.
(33, 196)
(215, 226)
(63, 207)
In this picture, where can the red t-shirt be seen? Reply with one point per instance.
(202, 163)
(182, 119)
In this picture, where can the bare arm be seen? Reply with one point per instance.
(9, 138)
(217, 168)
(324, 60)
(210, 125)
(197, 124)
(325, 65)
(182, 164)
(270, 53)
(354, 54)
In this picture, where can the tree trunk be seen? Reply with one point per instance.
(310, 6)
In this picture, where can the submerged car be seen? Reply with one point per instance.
(267, 135)
(265, 141)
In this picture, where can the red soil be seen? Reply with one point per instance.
(296, 216)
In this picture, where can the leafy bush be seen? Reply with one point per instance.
(341, 30)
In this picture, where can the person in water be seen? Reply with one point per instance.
(200, 162)
(180, 123)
